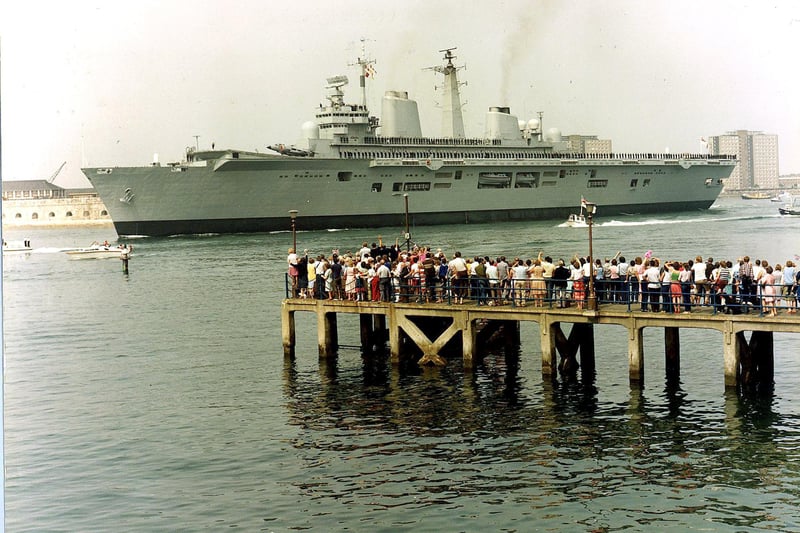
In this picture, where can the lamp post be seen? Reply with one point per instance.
(293, 215)
(591, 209)
(407, 234)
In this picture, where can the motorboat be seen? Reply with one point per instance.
(100, 251)
(783, 198)
(12, 247)
(791, 208)
(576, 221)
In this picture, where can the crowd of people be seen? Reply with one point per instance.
(418, 274)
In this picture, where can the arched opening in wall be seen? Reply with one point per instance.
(35, 216)
(103, 213)
(51, 214)
(18, 215)
(69, 213)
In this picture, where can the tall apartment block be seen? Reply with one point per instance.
(757, 153)
(588, 144)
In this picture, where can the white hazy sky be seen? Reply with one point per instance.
(113, 82)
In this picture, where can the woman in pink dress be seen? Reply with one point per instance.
(675, 290)
(767, 282)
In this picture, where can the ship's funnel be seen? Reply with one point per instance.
(501, 124)
(399, 115)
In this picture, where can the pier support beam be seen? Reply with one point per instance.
(469, 335)
(672, 353)
(586, 340)
(494, 330)
(394, 337)
(548, 332)
(430, 349)
(763, 348)
(756, 359)
(635, 356)
(379, 328)
(288, 333)
(327, 334)
(580, 337)
(367, 332)
(731, 351)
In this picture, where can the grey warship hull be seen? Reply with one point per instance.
(238, 195)
(346, 174)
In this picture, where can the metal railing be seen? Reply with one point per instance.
(633, 294)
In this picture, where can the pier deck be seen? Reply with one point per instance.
(431, 326)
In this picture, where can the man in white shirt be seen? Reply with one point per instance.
(460, 276)
(322, 265)
(384, 280)
(622, 269)
(700, 281)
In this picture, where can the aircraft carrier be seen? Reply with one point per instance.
(351, 167)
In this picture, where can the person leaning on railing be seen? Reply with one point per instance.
(790, 286)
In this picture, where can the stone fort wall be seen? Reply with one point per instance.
(73, 211)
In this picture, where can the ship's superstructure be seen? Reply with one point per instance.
(351, 166)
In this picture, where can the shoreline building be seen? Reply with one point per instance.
(40, 203)
(757, 153)
(588, 144)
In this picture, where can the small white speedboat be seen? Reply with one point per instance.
(576, 221)
(17, 247)
(100, 251)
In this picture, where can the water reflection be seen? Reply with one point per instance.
(439, 434)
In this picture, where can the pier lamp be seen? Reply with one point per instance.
(407, 234)
(293, 215)
(591, 209)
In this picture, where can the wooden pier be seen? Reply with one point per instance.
(430, 327)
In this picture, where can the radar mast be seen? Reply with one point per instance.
(367, 70)
(452, 120)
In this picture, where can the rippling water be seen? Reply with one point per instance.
(160, 400)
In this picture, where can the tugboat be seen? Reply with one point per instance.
(792, 207)
(577, 221)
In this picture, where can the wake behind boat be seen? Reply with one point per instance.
(350, 167)
(101, 251)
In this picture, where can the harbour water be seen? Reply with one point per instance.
(161, 400)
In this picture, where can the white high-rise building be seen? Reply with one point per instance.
(757, 153)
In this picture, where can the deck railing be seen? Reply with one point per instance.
(636, 296)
